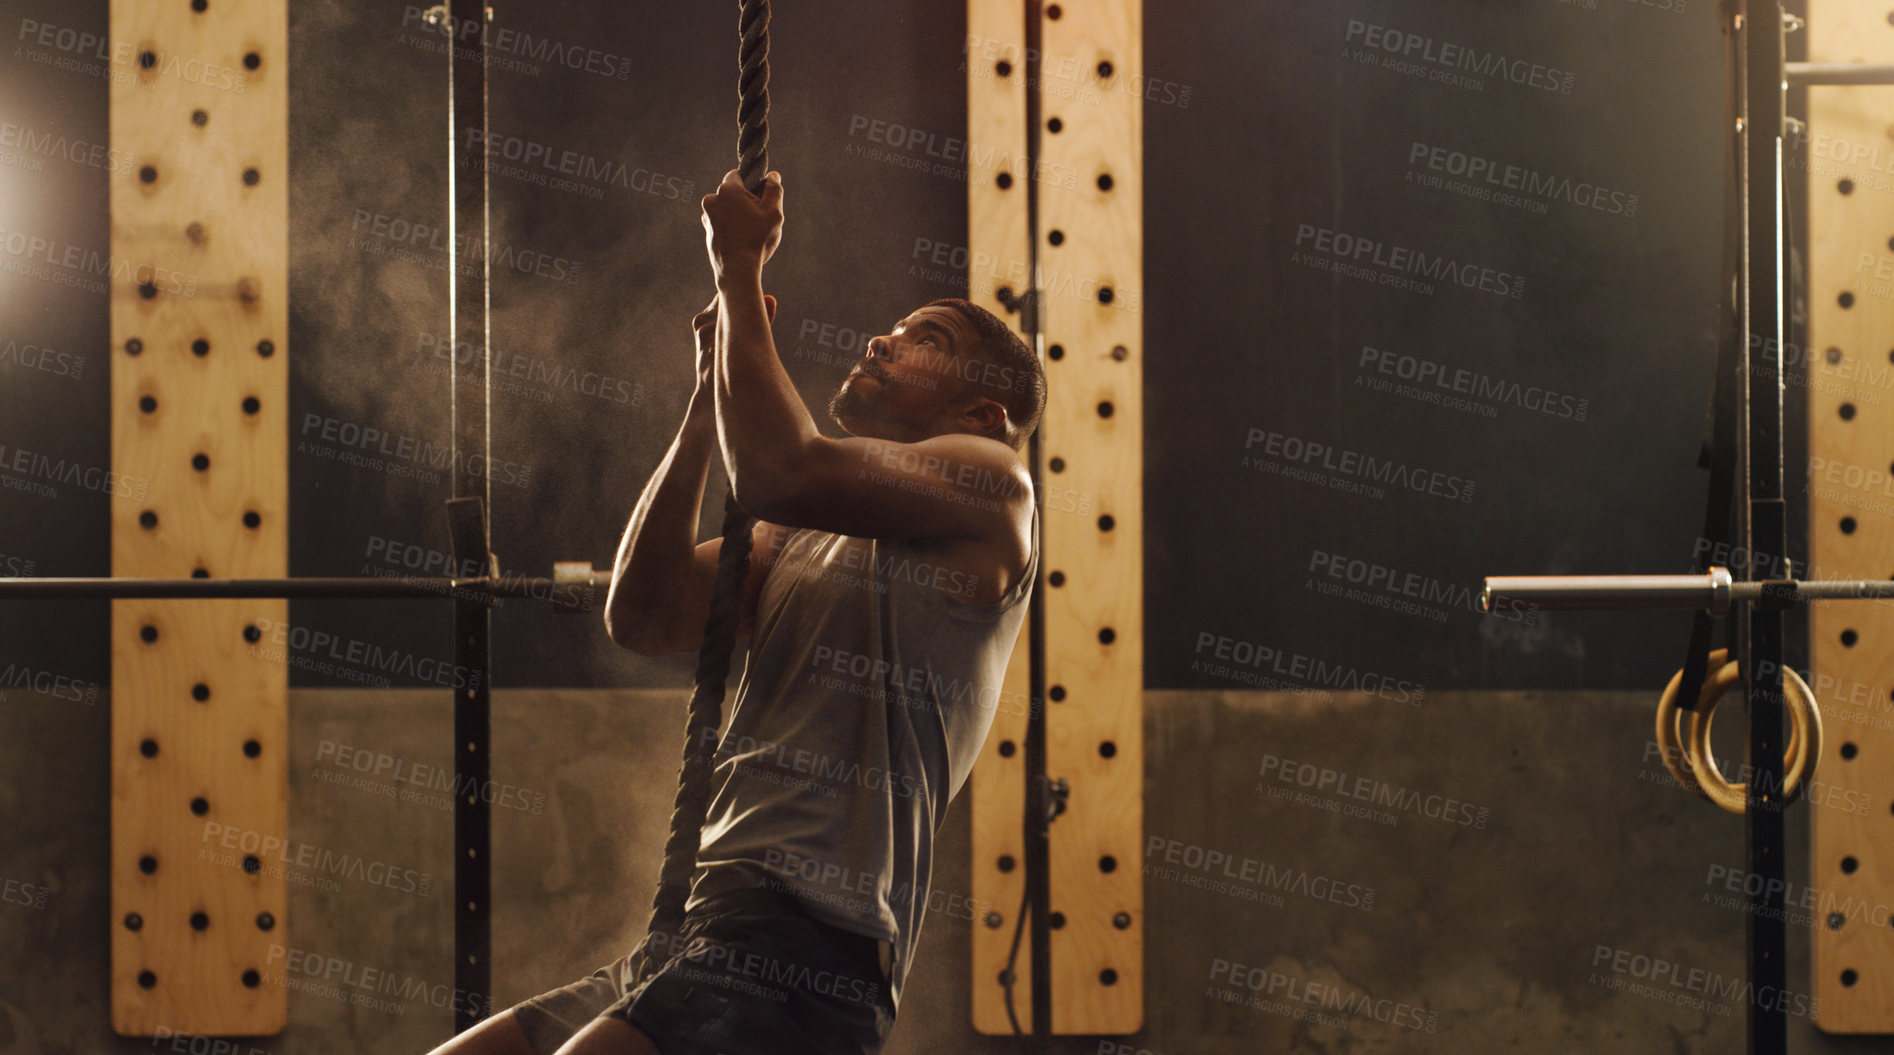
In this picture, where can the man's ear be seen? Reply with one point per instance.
(988, 416)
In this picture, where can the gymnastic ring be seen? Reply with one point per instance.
(1800, 755)
(1688, 757)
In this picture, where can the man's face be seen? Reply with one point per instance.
(907, 381)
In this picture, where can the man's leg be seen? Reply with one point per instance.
(496, 1035)
(609, 1036)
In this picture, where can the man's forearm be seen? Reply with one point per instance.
(655, 558)
(762, 423)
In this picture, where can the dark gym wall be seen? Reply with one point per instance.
(1280, 138)
(1553, 404)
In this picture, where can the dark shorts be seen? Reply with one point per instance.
(749, 973)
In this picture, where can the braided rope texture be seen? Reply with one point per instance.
(694, 786)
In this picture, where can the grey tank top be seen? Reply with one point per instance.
(864, 703)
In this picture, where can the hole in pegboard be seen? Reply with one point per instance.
(1008, 748)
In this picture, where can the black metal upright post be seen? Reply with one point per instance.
(1039, 796)
(468, 310)
(1765, 527)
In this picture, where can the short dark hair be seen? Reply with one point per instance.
(1022, 390)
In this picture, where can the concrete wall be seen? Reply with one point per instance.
(1494, 925)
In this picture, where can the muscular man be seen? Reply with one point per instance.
(886, 591)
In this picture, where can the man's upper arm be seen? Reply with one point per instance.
(687, 625)
(953, 485)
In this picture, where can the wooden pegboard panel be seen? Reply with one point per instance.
(1090, 237)
(199, 420)
(1850, 183)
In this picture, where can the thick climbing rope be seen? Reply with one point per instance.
(733, 562)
